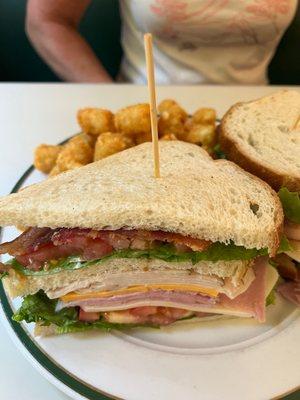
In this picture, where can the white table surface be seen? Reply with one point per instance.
(31, 114)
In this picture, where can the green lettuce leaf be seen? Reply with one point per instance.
(81, 326)
(271, 299)
(39, 308)
(219, 153)
(3, 274)
(217, 251)
(291, 204)
(284, 245)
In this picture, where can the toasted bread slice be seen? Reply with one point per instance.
(51, 330)
(263, 137)
(196, 196)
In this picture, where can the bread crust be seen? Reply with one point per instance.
(51, 330)
(235, 153)
(279, 215)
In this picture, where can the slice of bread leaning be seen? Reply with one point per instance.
(51, 330)
(195, 196)
(263, 137)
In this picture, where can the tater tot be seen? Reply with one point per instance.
(143, 137)
(55, 171)
(133, 120)
(95, 121)
(45, 157)
(74, 165)
(169, 136)
(110, 143)
(205, 116)
(70, 165)
(76, 151)
(90, 139)
(172, 118)
(201, 134)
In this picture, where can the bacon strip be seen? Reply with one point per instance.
(4, 267)
(194, 244)
(28, 241)
(38, 245)
(84, 247)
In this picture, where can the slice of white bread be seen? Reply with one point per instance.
(61, 283)
(196, 196)
(51, 330)
(263, 137)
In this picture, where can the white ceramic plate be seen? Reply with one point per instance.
(218, 359)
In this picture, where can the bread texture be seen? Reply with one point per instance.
(197, 196)
(263, 137)
(41, 330)
(51, 330)
(61, 283)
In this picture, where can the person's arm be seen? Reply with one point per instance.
(52, 28)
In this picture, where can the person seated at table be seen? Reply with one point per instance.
(195, 41)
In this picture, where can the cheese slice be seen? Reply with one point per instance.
(140, 288)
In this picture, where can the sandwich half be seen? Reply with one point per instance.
(263, 137)
(110, 246)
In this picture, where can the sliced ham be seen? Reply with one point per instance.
(132, 300)
(252, 301)
(291, 290)
(38, 245)
(292, 230)
(286, 266)
(295, 253)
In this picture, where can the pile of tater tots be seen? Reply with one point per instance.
(105, 133)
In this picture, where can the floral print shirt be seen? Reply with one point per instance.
(204, 41)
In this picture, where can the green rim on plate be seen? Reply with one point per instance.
(44, 361)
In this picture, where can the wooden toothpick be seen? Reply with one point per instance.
(152, 98)
(297, 124)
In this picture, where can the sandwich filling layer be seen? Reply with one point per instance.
(288, 264)
(39, 248)
(86, 278)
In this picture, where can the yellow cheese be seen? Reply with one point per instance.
(140, 288)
